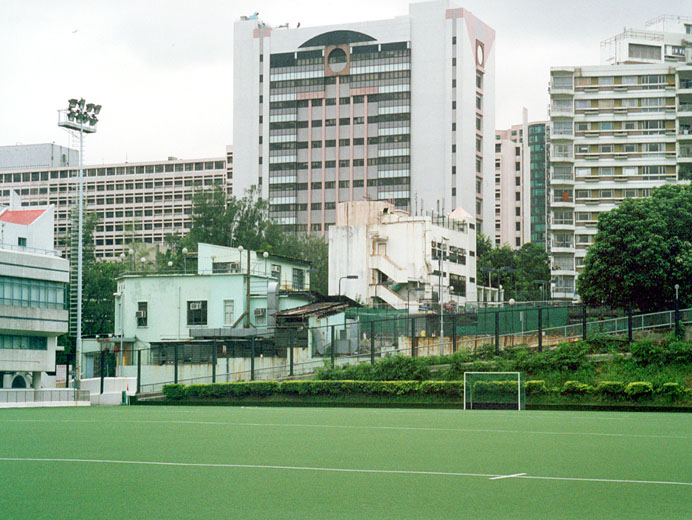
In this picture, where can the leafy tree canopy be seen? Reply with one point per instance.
(641, 250)
(517, 270)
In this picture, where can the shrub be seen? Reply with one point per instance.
(610, 388)
(448, 388)
(174, 391)
(401, 368)
(575, 388)
(672, 390)
(535, 387)
(647, 353)
(639, 389)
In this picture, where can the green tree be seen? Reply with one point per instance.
(517, 270)
(232, 222)
(641, 250)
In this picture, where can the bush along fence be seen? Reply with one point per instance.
(430, 392)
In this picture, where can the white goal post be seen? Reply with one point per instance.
(469, 381)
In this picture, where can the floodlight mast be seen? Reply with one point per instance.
(80, 117)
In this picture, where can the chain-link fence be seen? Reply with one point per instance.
(369, 336)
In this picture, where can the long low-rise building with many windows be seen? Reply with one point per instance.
(135, 202)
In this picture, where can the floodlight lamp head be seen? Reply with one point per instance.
(81, 103)
(90, 107)
(93, 121)
(70, 116)
(97, 109)
(73, 103)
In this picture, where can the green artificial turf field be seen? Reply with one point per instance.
(232, 462)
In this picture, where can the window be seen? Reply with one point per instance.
(582, 103)
(606, 80)
(228, 308)
(141, 314)
(646, 52)
(260, 317)
(21, 241)
(606, 125)
(276, 272)
(517, 212)
(197, 312)
(298, 279)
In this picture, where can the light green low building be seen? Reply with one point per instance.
(195, 318)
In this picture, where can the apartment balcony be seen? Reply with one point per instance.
(563, 293)
(562, 87)
(561, 135)
(561, 180)
(562, 225)
(562, 109)
(685, 172)
(685, 154)
(684, 110)
(562, 247)
(684, 133)
(561, 156)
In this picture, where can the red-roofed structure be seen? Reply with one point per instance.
(23, 217)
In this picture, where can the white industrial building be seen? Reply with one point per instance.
(400, 110)
(33, 295)
(381, 255)
(617, 130)
(135, 202)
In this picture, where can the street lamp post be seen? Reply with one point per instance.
(677, 311)
(79, 116)
(184, 260)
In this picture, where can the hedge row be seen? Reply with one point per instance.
(448, 389)
(610, 389)
(310, 387)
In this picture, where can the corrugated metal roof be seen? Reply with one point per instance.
(313, 308)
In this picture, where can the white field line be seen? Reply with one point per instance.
(352, 427)
(508, 476)
(344, 470)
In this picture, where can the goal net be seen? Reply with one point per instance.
(493, 391)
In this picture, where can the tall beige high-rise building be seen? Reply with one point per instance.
(617, 131)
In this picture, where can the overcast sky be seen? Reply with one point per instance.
(163, 69)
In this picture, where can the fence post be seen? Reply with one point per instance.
(372, 342)
(540, 329)
(291, 340)
(139, 371)
(252, 358)
(629, 323)
(175, 363)
(497, 332)
(413, 337)
(332, 348)
(583, 322)
(103, 368)
(213, 360)
(454, 333)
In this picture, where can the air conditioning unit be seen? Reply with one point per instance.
(141, 314)
(196, 306)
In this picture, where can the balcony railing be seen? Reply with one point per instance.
(685, 107)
